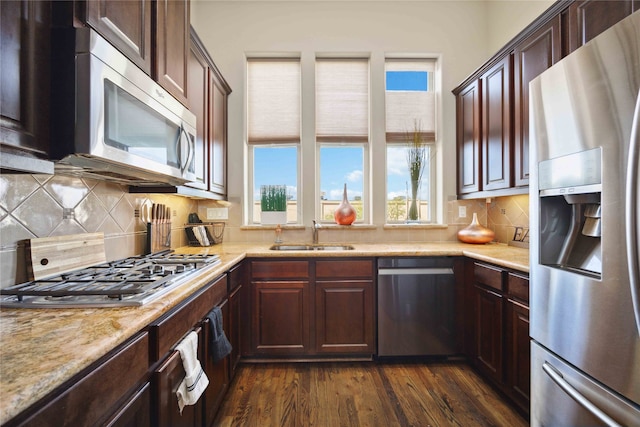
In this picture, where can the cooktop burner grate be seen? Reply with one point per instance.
(133, 281)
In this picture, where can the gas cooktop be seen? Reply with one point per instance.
(132, 281)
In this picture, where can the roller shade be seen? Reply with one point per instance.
(409, 98)
(273, 98)
(342, 100)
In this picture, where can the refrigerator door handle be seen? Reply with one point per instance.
(557, 377)
(632, 213)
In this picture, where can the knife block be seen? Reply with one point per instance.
(158, 236)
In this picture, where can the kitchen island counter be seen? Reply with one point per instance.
(42, 348)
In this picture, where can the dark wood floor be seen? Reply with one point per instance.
(363, 394)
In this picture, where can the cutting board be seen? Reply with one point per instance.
(49, 256)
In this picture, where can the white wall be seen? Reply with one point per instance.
(505, 19)
(456, 30)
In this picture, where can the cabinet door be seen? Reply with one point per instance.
(518, 363)
(136, 412)
(344, 317)
(172, 46)
(25, 58)
(167, 378)
(488, 336)
(532, 56)
(496, 126)
(198, 95)
(588, 18)
(281, 317)
(469, 138)
(218, 372)
(218, 136)
(127, 25)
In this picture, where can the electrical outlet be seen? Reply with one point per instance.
(503, 211)
(462, 211)
(217, 213)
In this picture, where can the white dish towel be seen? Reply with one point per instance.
(195, 381)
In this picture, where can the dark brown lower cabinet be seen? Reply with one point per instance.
(312, 307)
(488, 319)
(167, 378)
(136, 412)
(344, 317)
(497, 339)
(518, 352)
(217, 372)
(281, 317)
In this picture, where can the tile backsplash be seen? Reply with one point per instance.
(33, 206)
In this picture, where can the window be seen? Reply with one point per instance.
(273, 131)
(410, 134)
(342, 133)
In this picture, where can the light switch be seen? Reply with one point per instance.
(462, 211)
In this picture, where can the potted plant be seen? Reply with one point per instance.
(416, 158)
(273, 204)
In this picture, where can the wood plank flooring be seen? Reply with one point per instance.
(363, 394)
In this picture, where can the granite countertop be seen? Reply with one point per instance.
(42, 348)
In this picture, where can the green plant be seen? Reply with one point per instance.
(416, 159)
(273, 198)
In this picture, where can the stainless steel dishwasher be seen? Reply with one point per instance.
(416, 306)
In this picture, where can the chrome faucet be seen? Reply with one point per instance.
(314, 229)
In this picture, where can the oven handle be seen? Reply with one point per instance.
(557, 377)
(414, 271)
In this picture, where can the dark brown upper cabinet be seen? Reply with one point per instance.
(127, 25)
(25, 58)
(497, 86)
(532, 56)
(492, 104)
(171, 52)
(469, 137)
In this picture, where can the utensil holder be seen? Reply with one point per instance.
(158, 236)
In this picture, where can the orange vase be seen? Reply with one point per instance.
(345, 214)
(475, 233)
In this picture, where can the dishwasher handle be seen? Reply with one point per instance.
(414, 271)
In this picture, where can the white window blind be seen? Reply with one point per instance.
(273, 88)
(409, 98)
(342, 100)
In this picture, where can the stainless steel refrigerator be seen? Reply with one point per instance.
(585, 234)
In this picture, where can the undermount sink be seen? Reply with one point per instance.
(329, 247)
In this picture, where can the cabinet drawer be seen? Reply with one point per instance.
(488, 276)
(170, 328)
(344, 269)
(280, 269)
(518, 286)
(111, 380)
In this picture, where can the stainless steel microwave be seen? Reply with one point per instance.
(111, 120)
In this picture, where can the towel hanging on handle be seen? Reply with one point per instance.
(220, 345)
(195, 380)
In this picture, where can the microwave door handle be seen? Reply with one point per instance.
(190, 150)
(632, 213)
(185, 138)
(178, 147)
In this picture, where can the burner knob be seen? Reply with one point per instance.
(158, 269)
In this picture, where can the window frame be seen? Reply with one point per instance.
(435, 145)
